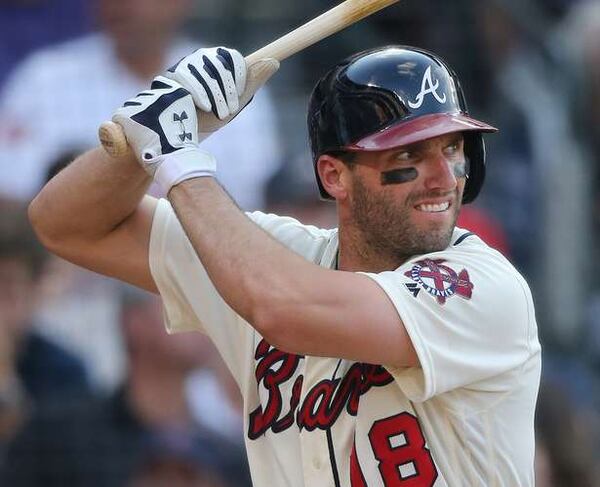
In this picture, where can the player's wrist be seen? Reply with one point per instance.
(183, 164)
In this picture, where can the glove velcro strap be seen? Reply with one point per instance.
(183, 164)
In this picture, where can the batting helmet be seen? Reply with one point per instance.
(389, 97)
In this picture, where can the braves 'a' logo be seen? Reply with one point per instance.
(428, 86)
(439, 280)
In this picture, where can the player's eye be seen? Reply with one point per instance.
(405, 155)
(454, 150)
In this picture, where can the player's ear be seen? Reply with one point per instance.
(332, 172)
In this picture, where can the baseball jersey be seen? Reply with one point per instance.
(463, 418)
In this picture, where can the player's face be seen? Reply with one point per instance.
(405, 201)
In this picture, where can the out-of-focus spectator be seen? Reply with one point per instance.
(180, 461)
(26, 25)
(45, 108)
(109, 442)
(45, 112)
(80, 310)
(33, 369)
(577, 43)
(537, 183)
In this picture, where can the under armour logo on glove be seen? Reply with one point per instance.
(181, 118)
(159, 121)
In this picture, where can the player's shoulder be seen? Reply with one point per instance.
(468, 249)
(281, 225)
(467, 277)
(307, 240)
(468, 257)
(466, 244)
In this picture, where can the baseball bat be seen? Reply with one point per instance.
(343, 15)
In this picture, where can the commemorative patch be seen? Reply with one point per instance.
(439, 280)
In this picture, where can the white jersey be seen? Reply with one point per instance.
(464, 418)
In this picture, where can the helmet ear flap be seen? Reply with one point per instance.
(475, 154)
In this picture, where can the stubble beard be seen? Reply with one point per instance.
(387, 230)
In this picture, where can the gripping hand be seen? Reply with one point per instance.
(216, 78)
(162, 129)
(220, 83)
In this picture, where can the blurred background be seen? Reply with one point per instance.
(92, 390)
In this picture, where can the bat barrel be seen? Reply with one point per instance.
(323, 26)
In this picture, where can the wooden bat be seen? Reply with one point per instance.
(343, 15)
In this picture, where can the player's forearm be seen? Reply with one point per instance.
(88, 199)
(251, 270)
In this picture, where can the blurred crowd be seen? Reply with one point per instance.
(94, 392)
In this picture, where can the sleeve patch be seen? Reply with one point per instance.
(439, 280)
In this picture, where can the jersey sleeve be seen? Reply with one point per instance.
(190, 300)
(469, 315)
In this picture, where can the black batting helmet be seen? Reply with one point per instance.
(389, 97)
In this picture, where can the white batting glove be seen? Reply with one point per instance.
(216, 78)
(162, 129)
(220, 83)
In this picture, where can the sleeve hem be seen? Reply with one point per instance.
(417, 383)
(172, 313)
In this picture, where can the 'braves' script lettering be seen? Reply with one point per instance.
(263, 419)
(323, 403)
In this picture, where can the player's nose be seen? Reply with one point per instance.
(440, 173)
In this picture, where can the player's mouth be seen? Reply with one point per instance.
(433, 207)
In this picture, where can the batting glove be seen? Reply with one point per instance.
(220, 83)
(162, 129)
(216, 78)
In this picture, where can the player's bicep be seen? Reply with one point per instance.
(374, 325)
(348, 315)
(123, 253)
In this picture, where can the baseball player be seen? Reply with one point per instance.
(394, 351)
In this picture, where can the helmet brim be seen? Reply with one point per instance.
(421, 128)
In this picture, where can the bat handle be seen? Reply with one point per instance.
(112, 137)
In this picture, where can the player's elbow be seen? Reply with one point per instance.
(278, 320)
(278, 333)
(265, 321)
(41, 223)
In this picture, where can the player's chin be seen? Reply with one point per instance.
(436, 221)
(436, 230)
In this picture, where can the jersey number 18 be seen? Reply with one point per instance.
(399, 447)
